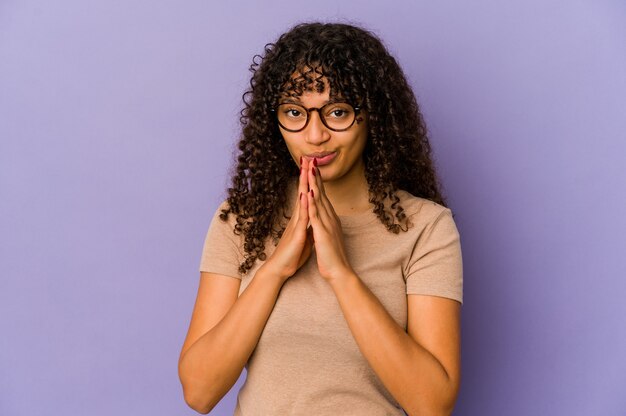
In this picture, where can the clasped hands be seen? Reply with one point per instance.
(324, 233)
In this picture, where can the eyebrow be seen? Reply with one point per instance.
(295, 101)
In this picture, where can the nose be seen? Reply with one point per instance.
(316, 132)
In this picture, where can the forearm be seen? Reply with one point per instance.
(212, 365)
(413, 376)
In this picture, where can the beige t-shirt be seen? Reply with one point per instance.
(306, 361)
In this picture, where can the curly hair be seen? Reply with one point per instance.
(356, 66)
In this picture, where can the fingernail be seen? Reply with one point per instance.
(314, 161)
(313, 170)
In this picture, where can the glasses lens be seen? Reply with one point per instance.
(291, 116)
(338, 116)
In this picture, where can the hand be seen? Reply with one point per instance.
(332, 261)
(295, 245)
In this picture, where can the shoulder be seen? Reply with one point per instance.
(222, 206)
(421, 210)
(227, 225)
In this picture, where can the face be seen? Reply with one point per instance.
(345, 148)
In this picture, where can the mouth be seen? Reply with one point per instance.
(322, 158)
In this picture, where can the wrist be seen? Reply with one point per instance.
(267, 274)
(343, 279)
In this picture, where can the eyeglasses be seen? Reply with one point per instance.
(337, 116)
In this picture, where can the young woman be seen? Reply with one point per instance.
(332, 271)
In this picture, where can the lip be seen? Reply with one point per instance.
(323, 158)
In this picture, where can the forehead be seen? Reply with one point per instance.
(309, 99)
(308, 81)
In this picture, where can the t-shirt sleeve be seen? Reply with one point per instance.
(436, 265)
(220, 253)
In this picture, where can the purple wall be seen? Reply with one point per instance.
(117, 121)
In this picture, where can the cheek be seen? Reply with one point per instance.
(360, 141)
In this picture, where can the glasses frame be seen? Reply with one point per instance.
(319, 113)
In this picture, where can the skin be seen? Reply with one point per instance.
(419, 366)
(344, 178)
(341, 187)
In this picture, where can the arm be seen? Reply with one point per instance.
(230, 327)
(210, 365)
(421, 368)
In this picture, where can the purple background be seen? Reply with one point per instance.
(117, 122)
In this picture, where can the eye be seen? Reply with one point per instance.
(293, 112)
(340, 111)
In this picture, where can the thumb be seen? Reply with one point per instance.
(308, 249)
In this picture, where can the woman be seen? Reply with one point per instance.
(332, 272)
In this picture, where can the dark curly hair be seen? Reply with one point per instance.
(358, 68)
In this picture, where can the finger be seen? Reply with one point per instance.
(302, 189)
(313, 210)
(319, 197)
(303, 215)
(303, 219)
(318, 179)
(330, 210)
(297, 226)
(303, 184)
(322, 191)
